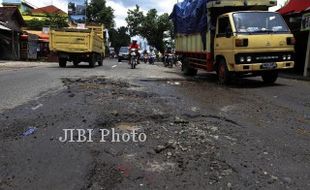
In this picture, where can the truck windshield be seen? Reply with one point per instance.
(259, 22)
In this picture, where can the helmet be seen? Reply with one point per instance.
(134, 40)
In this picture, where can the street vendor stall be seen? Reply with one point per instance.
(29, 46)
(306, 27)
(296, 14)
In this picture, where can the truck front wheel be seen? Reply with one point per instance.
(270, 77)
(187, 69)
(224, 76)
(62, 62)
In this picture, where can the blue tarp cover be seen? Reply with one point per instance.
(190, 16)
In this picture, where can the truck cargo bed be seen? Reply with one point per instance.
(76, 42)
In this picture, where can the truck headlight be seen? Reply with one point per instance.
(249, 59)
(289, 57)
(242, 59)
(284, 57)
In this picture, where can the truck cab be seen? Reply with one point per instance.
(252, 42)
(232, 37)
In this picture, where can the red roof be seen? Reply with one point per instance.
(295, 6)
(51, 9)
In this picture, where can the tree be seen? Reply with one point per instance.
(97, 12)
(134, 20)
(119, 37)
(71, 7)
(35, 24)
(151, 26)
(53, 21)
(56, 21)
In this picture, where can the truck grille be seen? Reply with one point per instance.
(263, 57)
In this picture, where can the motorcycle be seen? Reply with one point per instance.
(152, 58)
(133, 58)
(145, 58)
(169, 60)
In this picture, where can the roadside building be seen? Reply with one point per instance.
(11, 22)
(39, 22)
(22, 5)
(293, 13)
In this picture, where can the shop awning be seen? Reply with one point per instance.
(295, 6)
(42, 36)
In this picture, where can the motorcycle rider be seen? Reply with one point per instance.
(152, 55)
(134, 45)
(166, 55)
(145, 56)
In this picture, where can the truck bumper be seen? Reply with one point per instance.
(259, 67)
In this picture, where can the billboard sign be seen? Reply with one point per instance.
(77, 11)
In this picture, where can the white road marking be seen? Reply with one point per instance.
(37, 107)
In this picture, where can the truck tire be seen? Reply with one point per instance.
(76, 63)
(224, 76)
(270, 77)
(92, 61)
(100, 61)
(62, 62)
(187, 69)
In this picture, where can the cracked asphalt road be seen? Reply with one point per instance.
(199, 135)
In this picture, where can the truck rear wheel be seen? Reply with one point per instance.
(76, 63)
(92, 61)
(187, 69)
(62, 62)
(224, 76)
(270, 77)
(100, 61)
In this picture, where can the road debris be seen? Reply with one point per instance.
(29, 131)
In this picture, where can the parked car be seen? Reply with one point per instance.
(123, 53)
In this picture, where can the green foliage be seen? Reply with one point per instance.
(97, 12)
(51, 20)
(134, 20)
(119, 37)
(151, 26)
(56, 21)
(71, 6)
(35, 24)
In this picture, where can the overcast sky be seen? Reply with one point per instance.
(121, 6)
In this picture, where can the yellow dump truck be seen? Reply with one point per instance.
(78, 45)
(233, 38)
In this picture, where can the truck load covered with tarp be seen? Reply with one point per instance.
(190, 16)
